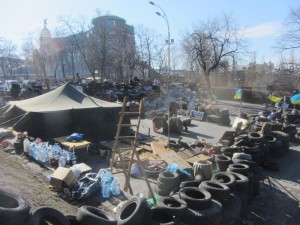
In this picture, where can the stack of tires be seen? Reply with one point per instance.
(222, 162)
(167, 182)
(244, 169)
(221, 187)
(251, 151)
(224, 117)
(281, 145)
(202, 209)
(169, 210)
(211, 202)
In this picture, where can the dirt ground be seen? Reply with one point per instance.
(26, 178)
(277, 203)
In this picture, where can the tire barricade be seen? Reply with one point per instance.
(217, 201)
(167, 182)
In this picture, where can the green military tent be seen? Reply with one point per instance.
(62, 112)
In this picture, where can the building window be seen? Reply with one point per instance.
(111, 23)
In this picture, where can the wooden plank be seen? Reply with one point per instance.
(183, 155)
(146, 147)
(172, 157)
(199, 157)
(158, 147)
(188, 153)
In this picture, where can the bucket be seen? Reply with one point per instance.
(204, 168)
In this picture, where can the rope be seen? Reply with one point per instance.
(13, 119)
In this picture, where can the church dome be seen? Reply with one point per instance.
(45, 33)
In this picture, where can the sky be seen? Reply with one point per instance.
(262, 21)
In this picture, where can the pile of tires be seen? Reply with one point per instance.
(231, 204)
(262, 147)
(169, 210)
(167, 182)
(224, 117)
(222, 162)
(241, 190)
(201, 201)
(252, 151)
(153, 171)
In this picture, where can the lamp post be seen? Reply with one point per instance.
(241, 82)
(164, 16)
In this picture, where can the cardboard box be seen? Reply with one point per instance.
(63, 177)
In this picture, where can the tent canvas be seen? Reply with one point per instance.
(62, 112)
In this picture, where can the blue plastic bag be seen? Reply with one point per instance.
(75, 137)
(174, 168)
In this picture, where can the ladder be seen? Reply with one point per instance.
(119, 150)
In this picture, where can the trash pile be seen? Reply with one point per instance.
(115, 91)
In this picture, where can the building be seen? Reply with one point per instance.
(106, 50)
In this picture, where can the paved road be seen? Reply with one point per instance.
(278, 200)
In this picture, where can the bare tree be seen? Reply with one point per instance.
(9, 59)
(149, 49)
(36, 57)
(290, 39)
(78, 41)
(210, 43)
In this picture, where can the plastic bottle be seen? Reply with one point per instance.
(31, 149)
(105, 188)
(72, 158)
(62, 161)
(115, 187)
(26, 145)
(105, 174)
(75, 169)
(100, 173)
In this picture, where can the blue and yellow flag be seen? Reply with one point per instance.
(295, 99)
(274, 98)
(238, 94)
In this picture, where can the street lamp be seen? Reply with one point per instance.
(164, 16)
(241, 82)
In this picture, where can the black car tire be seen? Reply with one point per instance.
(47, 214)
(174, 206)
(132, 212)
(217, 190)
(225, 178)
(195, 198)
(13, 208)
(89, 215)
(166, 177)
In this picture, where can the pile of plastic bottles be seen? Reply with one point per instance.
(109, 184)
(43, 152)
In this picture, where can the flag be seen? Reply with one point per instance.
(238, 94)
(295, 99)
(274, 98)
